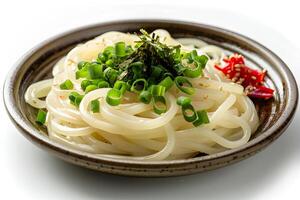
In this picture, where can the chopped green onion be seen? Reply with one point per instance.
(101, 58)
(84, 84)
(202, 118)
(78, 100)
(182, 100)
(145, 97)
(184, 85)
(90, 88)
(120, 85)
(137, 69)
(103, 84)
(73, 95)
(194, 54)
(120, 49)
(159, 104)
(95, 105)
(139, 85)
(193, 73)
(203, 115)
(190, 56)
(189, 112)
(177, 55)
(75, 98)
(81, 64)
(157, 90)
(201, 60)
(96, 81)
(83, 73)
(110, 63)
(137, 64)
(41, 117)
(148, 70)
(111, 75)
(167, 82)
(113, 97)
(67, 85)
(95, 71)
(109, 52)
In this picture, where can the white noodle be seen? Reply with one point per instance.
(131, 130)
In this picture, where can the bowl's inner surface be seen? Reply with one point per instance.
(39, 65)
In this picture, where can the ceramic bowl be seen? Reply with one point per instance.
(275, 115)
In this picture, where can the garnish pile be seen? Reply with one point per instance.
(149, 70)
(252, 80)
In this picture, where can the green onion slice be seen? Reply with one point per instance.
(67, 85)
(120, 49)
(184, 85)
(101, 58)
(78, 100)
(81, 64)
(120, 85)
(75, 98)
(103, 84)
(111, 75)
(95, 106)
(137, 69)
(139, 85)
(167, 82)
(182, 100)
(193, 73)
(96, 81)
(159, 104)
(189, 112)
(110, 63)
(83, 73)
(95, 70)
(113, 97)
(198, 61)
(41, 117)
(157, 90)
(145, 97)
(202, 118)
(90, 88)
(201, 60)
(109, 51)
(137, 64)
(84, 84)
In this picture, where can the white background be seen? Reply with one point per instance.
(27, 172)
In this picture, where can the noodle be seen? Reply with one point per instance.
(132, 130)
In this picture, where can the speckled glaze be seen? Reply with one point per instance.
(275, 115)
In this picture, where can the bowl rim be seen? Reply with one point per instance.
(32, 133)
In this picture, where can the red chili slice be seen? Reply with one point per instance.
(252, 80)
(261, 92)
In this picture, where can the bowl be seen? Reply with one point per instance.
(275, 115)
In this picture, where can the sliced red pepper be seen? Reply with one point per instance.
(261, 92)
(237, 71)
